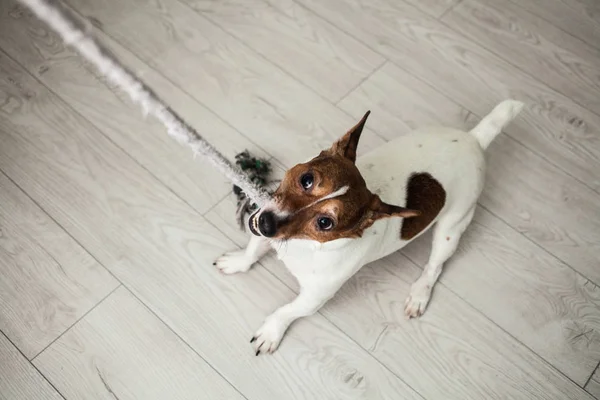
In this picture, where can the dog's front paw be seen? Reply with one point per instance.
(268, 337)
(417, 300)
(234, 262)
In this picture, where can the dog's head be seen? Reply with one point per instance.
(324, 199)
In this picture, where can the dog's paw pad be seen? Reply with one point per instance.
(417, 300)
(233, 262)
(267, 338)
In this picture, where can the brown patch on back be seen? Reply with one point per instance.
(330, 172)
(424, 194)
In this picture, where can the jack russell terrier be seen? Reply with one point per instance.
(332, 217)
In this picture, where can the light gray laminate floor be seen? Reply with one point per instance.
(108, 228)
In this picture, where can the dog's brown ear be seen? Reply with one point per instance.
(346, 146)
(379, 210)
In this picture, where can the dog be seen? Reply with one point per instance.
(330, 215)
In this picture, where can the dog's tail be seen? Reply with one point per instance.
(493, 123)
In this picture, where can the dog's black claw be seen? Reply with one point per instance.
(257, 352)
(253, 339)
(215, 263)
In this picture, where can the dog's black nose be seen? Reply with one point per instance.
(267, 224)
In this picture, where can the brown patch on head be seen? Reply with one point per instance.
(425, 194)
(327, 198)
(325, 174)
(329, 171)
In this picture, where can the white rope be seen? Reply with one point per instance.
(140, 94)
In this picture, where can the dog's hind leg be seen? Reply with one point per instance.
(446, 235)
(241, 260)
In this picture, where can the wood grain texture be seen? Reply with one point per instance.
(580, 18)
(47, 281)
(593, 386)
(521, 187)
(435, 8)
(121, 350)
(33, 45)
(19, 380)
(162, 250)
(534, 45)
(552, 125)
(286, 118)
(544, 204)
(296, 40)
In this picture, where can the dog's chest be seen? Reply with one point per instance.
(323, 264)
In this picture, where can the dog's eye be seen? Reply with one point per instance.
(307, 181)
(325, 223)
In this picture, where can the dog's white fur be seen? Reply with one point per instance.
(454, 158)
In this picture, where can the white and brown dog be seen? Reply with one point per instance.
(332, 213)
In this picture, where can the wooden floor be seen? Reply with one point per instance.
(108, 228)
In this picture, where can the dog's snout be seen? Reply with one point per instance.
(267, 224)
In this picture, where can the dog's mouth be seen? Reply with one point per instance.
(253, 224)
(264, 223)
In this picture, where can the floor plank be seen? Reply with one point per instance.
(399, 103)
(42, 52)
(47, 281)
(435, 8)
(121, 350)
(593, 385)
(254, 96)
(580, 18)
(529, 202)
(534, 45)
(19, 380)
(307, 46)
(521, 188)
(163, 250)
(545, 304)
(370, 309)
(553, 126)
